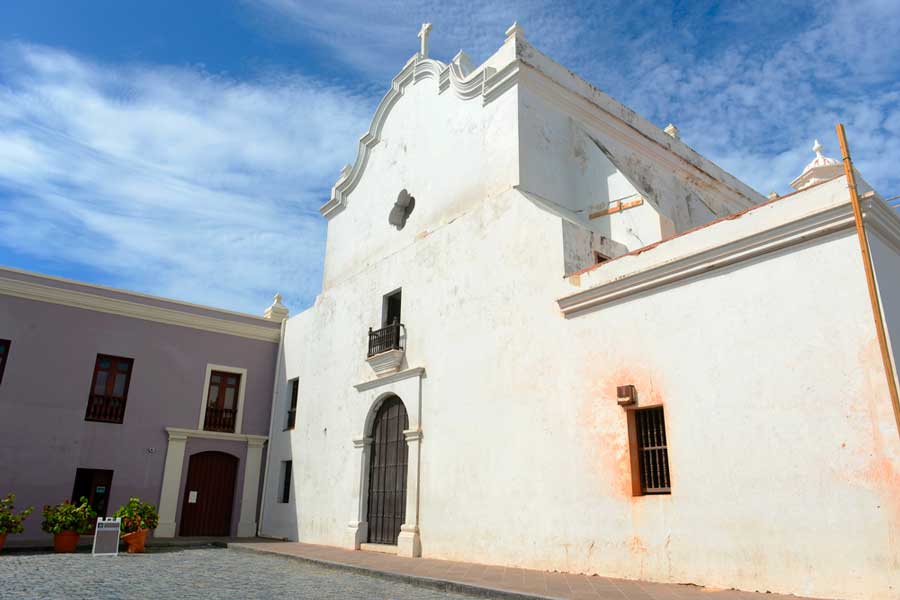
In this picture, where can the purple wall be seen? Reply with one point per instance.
(44, 394)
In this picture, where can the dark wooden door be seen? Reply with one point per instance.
(387, 472)
(209, 494)
(93, 484)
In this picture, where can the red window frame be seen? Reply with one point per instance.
(218, 417)
(109, 407)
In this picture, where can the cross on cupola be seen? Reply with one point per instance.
(423, 37)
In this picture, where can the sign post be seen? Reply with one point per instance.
(106, 536)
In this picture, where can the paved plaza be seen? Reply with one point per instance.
(186, 574)
(510, 582)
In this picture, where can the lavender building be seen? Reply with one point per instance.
(109, 394)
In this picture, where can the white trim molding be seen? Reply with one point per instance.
(30, 290)
(781, 236)
(174, 466)
(239, 417)
(388, 379)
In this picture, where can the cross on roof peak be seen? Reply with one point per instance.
(423, 36)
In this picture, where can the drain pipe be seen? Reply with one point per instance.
(870, 276)
(279, 360)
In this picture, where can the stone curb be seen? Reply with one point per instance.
(443, 585)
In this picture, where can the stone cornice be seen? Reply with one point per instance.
(177, 433)
(134, 308)
(735, 251)
(368, 385)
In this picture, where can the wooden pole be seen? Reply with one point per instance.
(870, 276)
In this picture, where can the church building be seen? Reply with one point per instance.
(551, 335)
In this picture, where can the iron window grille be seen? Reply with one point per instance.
(650, 425)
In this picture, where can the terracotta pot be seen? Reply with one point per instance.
(136, 540)
(2, 540)
(65, 541)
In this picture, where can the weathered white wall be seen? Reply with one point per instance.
(449, 154)
(784, 475)
(886, 262)
(562, 164)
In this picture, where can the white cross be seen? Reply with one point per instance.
(423, 35)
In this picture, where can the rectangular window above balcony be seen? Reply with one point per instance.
(222, 401)
(109, 389)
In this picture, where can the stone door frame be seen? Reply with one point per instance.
(406, 385)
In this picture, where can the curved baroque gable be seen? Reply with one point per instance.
(485, 82)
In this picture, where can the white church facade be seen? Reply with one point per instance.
(550, 335)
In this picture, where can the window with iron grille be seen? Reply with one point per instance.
(286, 468)
(292, 411)
(649, 432)
(109, 389)
(4, 352)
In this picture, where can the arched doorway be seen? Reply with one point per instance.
(387, 472)
(209, 494)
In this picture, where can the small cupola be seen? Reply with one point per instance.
(822, 168)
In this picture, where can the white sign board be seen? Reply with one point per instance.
(106, 537)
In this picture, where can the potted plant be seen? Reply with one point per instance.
(10, 522)
(138, 518)
(67, 521)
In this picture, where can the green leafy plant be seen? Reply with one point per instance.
(137, 515)
(79, 518)
(10, 522)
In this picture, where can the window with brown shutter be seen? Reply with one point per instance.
(221, 401)
(649, 451)
(109, 389)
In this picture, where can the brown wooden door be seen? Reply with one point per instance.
(387, 473)
(209, 494)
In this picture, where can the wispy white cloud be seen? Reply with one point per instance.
(172, 181)
(749, 84)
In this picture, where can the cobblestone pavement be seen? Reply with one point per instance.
(185, 574)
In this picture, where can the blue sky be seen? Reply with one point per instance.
(183, 148)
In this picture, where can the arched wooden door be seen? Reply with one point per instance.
(209, 494)
(387, 473)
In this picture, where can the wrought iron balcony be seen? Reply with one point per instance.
(385, 339)
(106, 409)
(220, 419)
(386, 348)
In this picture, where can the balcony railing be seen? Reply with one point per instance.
(384, 339)
(220, 419)
(106, 409)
